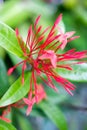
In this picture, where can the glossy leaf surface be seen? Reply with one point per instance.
(8, 40)
(16, 92)
(54, 113)
(78, 74)
(6, 126)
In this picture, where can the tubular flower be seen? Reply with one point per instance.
(41, 51)
(30, 101)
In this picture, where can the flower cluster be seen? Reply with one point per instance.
(41, 51)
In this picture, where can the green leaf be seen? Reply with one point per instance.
(16, 92)
(2, 53)
(56, 97)
(55, 114)
(6, 126)
(81, 14)
(9, 41)
(15, 12)
(4, 84)
(78, 74)
(25, 125)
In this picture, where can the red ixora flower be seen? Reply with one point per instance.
(41, 51)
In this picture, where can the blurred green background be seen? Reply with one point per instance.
(22, 13)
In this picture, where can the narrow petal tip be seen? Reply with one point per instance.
(37, 20)
(58, 20)
(17, 32)
(10, 71)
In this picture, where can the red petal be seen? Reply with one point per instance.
(10, 71)
(49, 54)
(58, 20)
(17, 32)
(37, 20)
